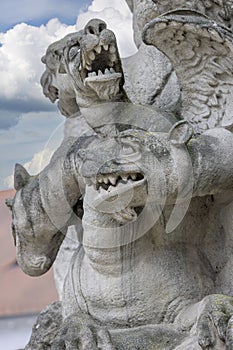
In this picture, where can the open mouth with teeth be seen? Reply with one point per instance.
(114, 189)
(101, 70)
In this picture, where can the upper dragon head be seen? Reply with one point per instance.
(84, 66)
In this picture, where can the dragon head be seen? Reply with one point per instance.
(85, 64)
(134, 168)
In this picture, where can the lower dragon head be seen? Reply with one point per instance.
(124, 173)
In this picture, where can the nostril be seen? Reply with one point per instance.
(91, 30)
(95, 27)
(102, 26)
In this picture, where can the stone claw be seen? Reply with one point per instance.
(215, 322)
(81, 332)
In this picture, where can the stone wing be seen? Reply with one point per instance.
(202, 54)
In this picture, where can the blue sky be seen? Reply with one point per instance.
(36, 12)
(27, 27)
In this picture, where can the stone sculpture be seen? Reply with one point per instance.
(153, 267)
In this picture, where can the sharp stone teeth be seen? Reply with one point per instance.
(113, 57)
(106, 180)
(124, 177)
(112, 49)
(86, 61)
(92, 74)
(98, 49)
(105, 47)
(91, 55)
(134, 176)
(112, 70)
(100, 179)
(112, 179)
(99, 72)
(88, 67)
(106, 71)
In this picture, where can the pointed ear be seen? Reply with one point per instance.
(180, 133)
(21, 177)
(43, 59)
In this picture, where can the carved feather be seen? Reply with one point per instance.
(202, 54)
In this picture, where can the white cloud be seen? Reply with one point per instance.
(38, 163)
(23, 46)
(34, 132)
(20, 54)
(21, 50)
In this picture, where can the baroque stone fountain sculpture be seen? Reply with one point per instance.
(144, 176)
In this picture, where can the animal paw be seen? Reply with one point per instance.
(215, 322)
(82, 332)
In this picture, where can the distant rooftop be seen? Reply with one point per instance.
(19, 293)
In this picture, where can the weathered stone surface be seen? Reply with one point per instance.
(184, 38)
(83, 69)
(152, 260)
(145, 10)
(46, 328)
(163, 90)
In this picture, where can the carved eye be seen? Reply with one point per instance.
(129, 150)
(73, 52)
(82, 153)
(157, 147)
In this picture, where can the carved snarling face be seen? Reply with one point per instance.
(85, 64)
(34, 255)
(113, 174)
(133, 168)
(94, 64)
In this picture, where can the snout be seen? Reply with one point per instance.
(95, 26)
(34, 265)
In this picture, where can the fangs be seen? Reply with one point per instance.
(89, 64)
(98, 49)
(107, 181)
(107, 72)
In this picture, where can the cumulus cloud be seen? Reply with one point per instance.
(38, 162)
(25, 114)
(23, 46)
(33, 133)
(20, 65)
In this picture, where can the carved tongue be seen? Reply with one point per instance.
(105, 85)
